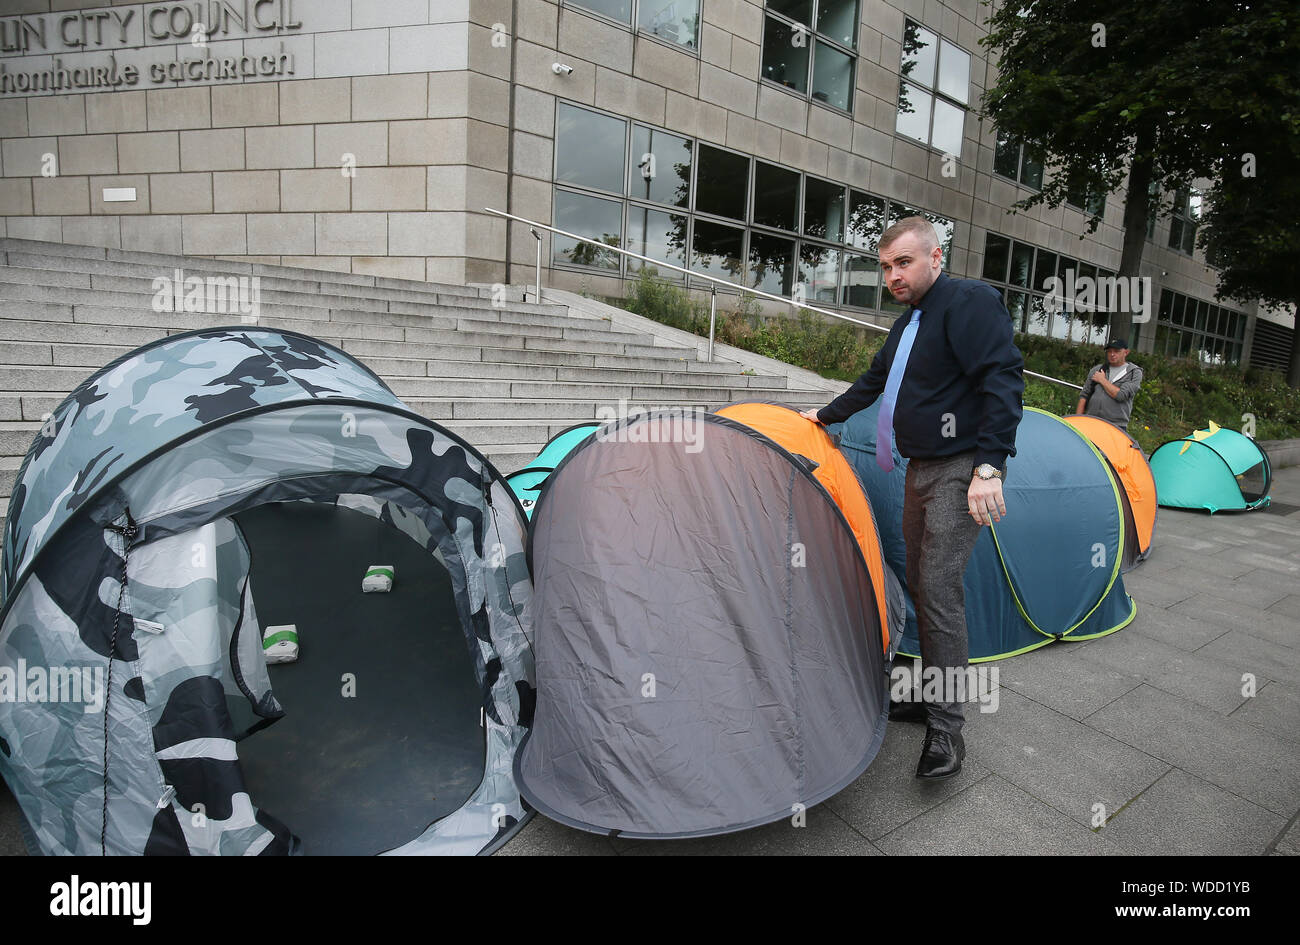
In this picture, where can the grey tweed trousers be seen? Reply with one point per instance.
(940, 535)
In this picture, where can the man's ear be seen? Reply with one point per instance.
(936, 256)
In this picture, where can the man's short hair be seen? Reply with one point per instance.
(920, 227)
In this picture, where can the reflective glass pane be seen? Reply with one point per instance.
(861, 281)
(949, 122)
(661, 167)
(1060, 327)
(832, 77)
(800, 10)
(722, 184)
(1039, 317)
(819, 270)
(1018, 307)
(1202, 313)
(1189, 238)
(838, 19)
(677, 21)
(1065, 267)
(1176, 314)
(771, 263)
(823, 209)
(717, 250)
(1087, 271)
(776, 197)
(658, 235)
(1031, 172)
(1162, 340)
(866, 220)
(1044, 269)
(1166, 305)
(1176, 233)
(913, 112)
(616, 9)
(589, 149)
(1006, 155)
(954, 71)
(784, 61)
(920, 52)
(602, 220)
(1101, 329)
(1022, 260)
(997, 253)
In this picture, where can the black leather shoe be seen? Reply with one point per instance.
(907, 712)
(941, 755)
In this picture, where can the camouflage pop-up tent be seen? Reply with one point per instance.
(182, 499)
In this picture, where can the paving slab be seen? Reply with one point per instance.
(1275, 708)
(543, 837)
(1230, 753)
(1253, 654)
(1175, 629)
(993, 817)
(1183, 815)
(822, 833)
(1051, 677)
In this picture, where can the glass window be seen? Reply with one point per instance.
(661, 167)
(776, 196)
(771, 263)
(722, 184)
(1166, 305)
(717, 250)
(784, 61)
(819, 270)
(954, 71)
(997, 253)
(866, 220)
(838, 19)
(920, 54)
(949, 122)
(832, 77)
(1006, 156)
(1202, 312)
(1039, 318)
(658, 235)
(914, 107)
(1044, 269)
(861, 286)
(676, 21)
(614, 9)
(823, 209)
(594, 217)
(1018, 307)
(1022, 260)
(1031, 170)
(798, 10)
(589, 149)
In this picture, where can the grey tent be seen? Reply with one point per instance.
(708, 640)
(197, 490)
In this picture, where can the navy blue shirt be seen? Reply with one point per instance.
(964, 384)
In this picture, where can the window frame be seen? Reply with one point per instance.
(814, 37)
(933, 90)
(631, 24)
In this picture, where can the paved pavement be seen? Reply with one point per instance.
(1148, 729)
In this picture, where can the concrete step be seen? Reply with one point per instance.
(8, 473)
(16, 436)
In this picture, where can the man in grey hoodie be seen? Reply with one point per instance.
(1109, 391)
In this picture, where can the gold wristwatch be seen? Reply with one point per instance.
(987, 471)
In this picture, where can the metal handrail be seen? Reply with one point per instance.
(740, 289)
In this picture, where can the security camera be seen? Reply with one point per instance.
(560, 68)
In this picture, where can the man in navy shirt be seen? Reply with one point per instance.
(953, 380)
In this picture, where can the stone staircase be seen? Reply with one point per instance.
(503, 373)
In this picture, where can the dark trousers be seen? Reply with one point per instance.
(940, 535)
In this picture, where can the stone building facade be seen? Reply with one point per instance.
(766, 141)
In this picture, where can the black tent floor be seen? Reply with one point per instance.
(381, 734)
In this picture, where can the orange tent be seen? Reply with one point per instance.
(1131, 467)
(796, 435)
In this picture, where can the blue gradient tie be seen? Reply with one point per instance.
(885, 419)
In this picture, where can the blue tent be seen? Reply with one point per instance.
(1050, 570)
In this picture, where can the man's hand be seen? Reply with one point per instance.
(810, 414)
(1100, 377)
(984, 500)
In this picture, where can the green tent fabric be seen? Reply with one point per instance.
(1215, 469)
(527, 483)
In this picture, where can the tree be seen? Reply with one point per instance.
(1146, 95)
(1251, 229)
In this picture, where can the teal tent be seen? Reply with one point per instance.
(1050, 570)
(527, 483)
(1214, 469)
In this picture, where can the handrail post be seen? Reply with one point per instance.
(537, 236)
(713, 316)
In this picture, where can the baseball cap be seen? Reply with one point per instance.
(1117, 343)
